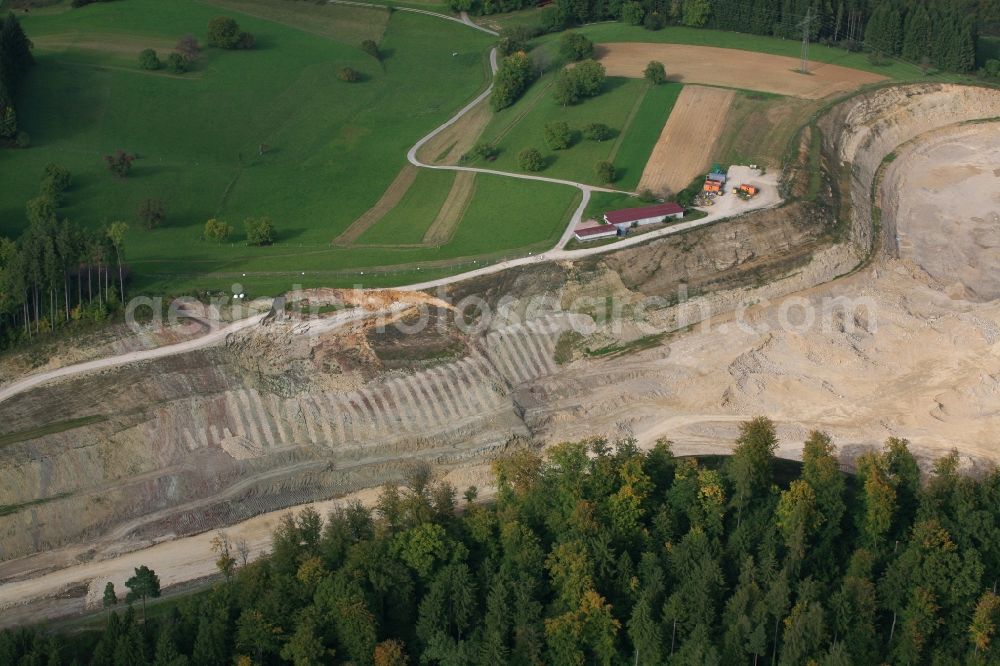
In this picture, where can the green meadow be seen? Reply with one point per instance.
(631, 107)
(331, 147)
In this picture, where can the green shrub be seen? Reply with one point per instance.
(120, 164)
(515, 39)
(558, 135)
(513, 77)
(633, 13)
(224, 33)
(483, 149)
(176, 63)
(260, 230)
(349, 75)
(149, 60)
(574, 46)
(371, 48)
(58, 177)
(655, 73)
(584, 80)
(217, 230)
(597, 132)
(653, 21)
(530, 159)
(605, 171)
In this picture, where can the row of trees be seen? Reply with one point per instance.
(515, 73)
(600, 554)
(15, 61)
(56, 272)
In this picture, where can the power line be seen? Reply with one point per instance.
(806, 25)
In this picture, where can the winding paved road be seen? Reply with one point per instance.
(219, 335)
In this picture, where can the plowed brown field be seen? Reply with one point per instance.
(732, 68)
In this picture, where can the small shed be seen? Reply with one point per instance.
(718, 177)
(623, 219)
(593, 233)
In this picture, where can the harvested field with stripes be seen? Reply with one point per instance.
(687, 144)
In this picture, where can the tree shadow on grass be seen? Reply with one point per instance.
(285, 236)
(142, 171)
(612, 83)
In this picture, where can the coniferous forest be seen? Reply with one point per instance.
(599, 554)
(938, 33)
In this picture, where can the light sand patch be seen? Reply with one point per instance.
(732, 68)
(688, 140)
(944, 219)
(392, 196)
(447, 220)
(449, 146)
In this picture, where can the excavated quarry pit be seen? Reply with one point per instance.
(176, 447)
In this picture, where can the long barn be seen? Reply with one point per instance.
(629, 217)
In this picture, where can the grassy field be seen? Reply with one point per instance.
(634, 148)
(506, 218)
(760, 126)
(602, 202)
(334, 147)
(630, 107)
(408, 221)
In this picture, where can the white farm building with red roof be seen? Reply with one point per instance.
(628, 217)
(593, 233)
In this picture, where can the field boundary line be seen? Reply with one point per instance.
(443, 228)
(393, 194)
(628, 124)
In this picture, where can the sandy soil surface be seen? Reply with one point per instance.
(949, 212)
(889, 351)
(687, 144)
(732, 68)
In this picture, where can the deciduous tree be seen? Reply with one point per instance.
(530, 159)
(655, 73)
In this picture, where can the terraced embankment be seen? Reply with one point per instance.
(277, 417)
